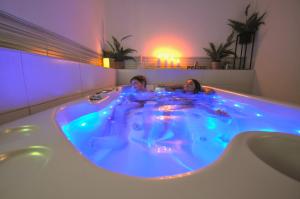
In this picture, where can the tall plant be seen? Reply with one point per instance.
(249, 27)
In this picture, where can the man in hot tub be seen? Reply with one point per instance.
(139, 92)
(138, 83)
(114, 131)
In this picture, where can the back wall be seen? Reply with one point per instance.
(184, 25)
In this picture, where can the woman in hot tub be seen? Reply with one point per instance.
(167, 120)
(194, 95)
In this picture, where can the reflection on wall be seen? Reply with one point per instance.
(77, 20)
(39, 80)
(20, 34)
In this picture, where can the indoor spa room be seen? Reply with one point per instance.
(179, 99)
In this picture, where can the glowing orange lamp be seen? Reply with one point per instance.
(167, 57)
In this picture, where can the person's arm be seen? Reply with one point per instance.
(209, 109)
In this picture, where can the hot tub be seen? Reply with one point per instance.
(165, 134)
(39, 160)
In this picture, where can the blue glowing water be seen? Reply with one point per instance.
(167, 133)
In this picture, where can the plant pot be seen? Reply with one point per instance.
(215, 65)
(118, 64)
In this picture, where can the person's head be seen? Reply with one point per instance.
(138, 82)
(192, 86)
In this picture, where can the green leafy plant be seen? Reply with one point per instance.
(246, 29)
(117, 51)
(217, 53)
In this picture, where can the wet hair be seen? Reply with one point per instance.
(140, 78)
(198, 87)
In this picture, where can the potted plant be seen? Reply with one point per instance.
(217, 53)
(246, 29)
(118, 52)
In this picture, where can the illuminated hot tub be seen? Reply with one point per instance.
(167, 134)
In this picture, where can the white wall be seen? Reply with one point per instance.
(186, 25)
(277, 63)
(234, 80)
(29, 81)
(78, 20)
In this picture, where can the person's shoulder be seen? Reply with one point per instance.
(208, 91)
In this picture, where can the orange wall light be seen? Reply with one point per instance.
(106, 63)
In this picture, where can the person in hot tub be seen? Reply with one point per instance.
(139, 92)
(114, 131)
(136, 98)
(138, 83)
(192, 87)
